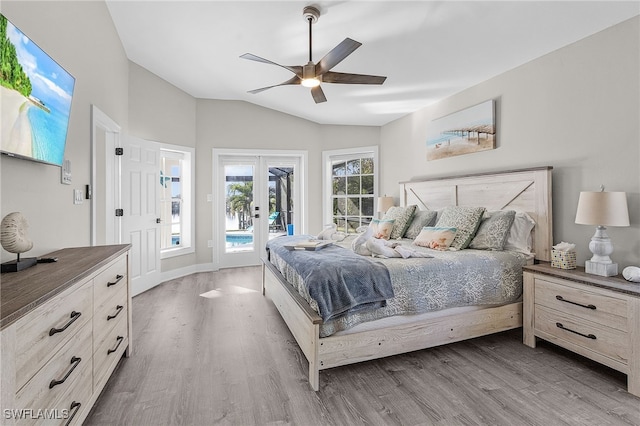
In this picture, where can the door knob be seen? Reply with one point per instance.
(158, 220)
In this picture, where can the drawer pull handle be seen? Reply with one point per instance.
(119, 309)
(119, 339)
(118, 278)
(588, 336)
(562, 299)
(74, 316)
(75, 361)
(74, 405)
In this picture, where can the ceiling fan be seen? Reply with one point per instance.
(311, 75)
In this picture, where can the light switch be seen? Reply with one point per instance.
(78, 196)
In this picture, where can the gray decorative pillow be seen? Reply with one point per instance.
(402, 217)
(493, 231)
(465, 219)
(421, 218)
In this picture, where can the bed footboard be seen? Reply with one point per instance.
(303, 322)
(334, 351)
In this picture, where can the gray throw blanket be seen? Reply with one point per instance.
(338, 279)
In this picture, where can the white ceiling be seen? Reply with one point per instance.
(427, 49)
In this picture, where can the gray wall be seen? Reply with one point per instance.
(237, 124)
(576, 109)
(159, 111)
(86, 44)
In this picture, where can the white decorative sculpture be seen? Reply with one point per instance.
(631, 273)
(14, 239)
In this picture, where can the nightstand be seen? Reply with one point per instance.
(597, 317)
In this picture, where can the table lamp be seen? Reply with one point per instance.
(602, 209)
(384, 204)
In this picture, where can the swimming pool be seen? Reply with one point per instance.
(239, 238)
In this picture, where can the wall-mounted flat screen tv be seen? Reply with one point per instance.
(36, 96)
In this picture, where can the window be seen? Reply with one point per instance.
(350, 182)
(176, 197)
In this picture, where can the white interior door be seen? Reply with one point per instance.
(141, 180)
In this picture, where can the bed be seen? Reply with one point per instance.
(526, 190)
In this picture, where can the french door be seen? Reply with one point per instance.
(256, 198)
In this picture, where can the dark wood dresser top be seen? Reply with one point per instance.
(21, 292)
(617, 283)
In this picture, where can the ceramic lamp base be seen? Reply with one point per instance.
(602, 269)
(19, 265)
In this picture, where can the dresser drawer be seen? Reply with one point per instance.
(60, 375)
(38, 331)
(109, 281)
(594, 337)
(74, 404)
(577, 300)
(70, 409)
(107, 315)
(109, 350)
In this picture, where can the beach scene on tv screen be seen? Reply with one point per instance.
(36, 97)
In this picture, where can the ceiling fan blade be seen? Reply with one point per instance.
(318, 94)
(292, 80)
(345, 78)
(336, 55)
(296, 69)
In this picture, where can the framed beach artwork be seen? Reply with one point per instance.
(470, 130)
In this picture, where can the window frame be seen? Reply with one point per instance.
(331, 156)
(187, 245)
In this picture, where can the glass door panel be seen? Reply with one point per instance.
(239, 208)
(238, 212)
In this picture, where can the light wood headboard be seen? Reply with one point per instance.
(527, 190)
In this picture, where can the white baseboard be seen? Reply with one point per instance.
(177, 273)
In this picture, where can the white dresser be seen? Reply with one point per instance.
(597, 317)
(64, 327)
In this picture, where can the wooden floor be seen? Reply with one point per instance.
(210, 349)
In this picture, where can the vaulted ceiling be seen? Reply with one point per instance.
(427, 49)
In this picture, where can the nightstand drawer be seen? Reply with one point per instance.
(575, 299)
(595, 337)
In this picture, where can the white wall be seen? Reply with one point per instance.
(86, 44)
(576, 109)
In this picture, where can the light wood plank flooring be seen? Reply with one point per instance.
(210, 349)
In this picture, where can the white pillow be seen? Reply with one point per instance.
(519, 238)
(435, 238)
(382, 228)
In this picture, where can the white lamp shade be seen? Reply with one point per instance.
(603, 208)
(385, 203)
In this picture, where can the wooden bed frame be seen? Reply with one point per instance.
(526, 190)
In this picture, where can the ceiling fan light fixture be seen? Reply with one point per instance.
(312, 74)
(310, 82)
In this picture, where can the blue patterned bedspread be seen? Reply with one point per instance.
(448, 279)
(336, 278)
